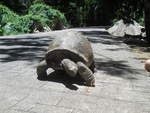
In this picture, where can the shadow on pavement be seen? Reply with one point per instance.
(108, 65)
(117, 68)
(28, 49)
(32, 49)
(61, 77)
(102, 37)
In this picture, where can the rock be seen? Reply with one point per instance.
(120, 29)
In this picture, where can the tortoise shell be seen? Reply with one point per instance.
(73, 46)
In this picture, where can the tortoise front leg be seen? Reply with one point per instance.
(86, 74)
(42, 70)
(92, 67)
(70, 67)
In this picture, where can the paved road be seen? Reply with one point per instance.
(122, 85)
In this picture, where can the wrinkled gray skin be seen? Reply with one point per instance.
(86, 74)
(73, 54)
(70, 67)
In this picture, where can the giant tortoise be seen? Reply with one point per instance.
(71, 53)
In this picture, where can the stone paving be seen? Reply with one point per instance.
(122, 85)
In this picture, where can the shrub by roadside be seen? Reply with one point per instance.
(40, 18)
(56, 19)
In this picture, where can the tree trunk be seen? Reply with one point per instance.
(147, 19)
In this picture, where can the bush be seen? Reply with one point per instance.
(39, 23)
(129, 10)
(25, 24)
(56, 20)
(38, 1)
(6, 19)
(1, 30)
(11, 23)
(20, 25)
(40, 18)
(6, 15)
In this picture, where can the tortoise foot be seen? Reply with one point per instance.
(86, 74)
(42, 70)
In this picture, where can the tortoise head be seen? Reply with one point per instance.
(55, 57)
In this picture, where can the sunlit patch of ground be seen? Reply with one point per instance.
(142, 52)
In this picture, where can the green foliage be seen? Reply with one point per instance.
(38, 1)
(11, 23)
(25, 24)
(77, 12)
(50, 14)
(44, 13)
(129, 10)
(6, 15)
(1, 30)
(40, 17)
(20, 25)
(141, 21)
(39, 23)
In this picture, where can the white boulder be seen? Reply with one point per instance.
(120, 29)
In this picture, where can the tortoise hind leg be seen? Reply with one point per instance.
(41, 70)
